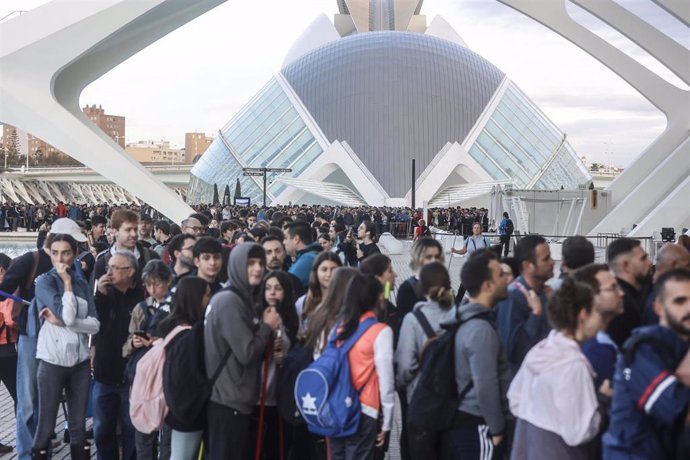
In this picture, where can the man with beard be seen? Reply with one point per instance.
(632, 267)
(608, 301)
(522, 319)
(181, 253)
(670, 256)
(649, 413)
(275, 253)
(482, 371)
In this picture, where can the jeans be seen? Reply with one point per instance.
(27, 395)
(110, 404)
(359, 446)
(185, 446)
(51, 381)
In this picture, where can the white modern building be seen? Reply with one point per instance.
(358, 99)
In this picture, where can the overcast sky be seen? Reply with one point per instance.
(235, 48)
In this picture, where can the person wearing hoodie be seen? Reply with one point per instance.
(233, 323)
(651, 401)
(435, 284)
(552, 395)
(482, 372)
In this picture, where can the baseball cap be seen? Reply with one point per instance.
(69, 227)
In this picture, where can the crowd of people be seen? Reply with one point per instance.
(203, 337)
(396, 220)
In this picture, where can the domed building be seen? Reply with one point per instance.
(361, 99)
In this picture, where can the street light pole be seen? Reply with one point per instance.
(263, 172)
(264, 187)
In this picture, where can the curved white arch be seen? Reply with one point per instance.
(647, 191)
(50, 54)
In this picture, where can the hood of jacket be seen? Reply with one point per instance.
(237, 267)
(554, 351)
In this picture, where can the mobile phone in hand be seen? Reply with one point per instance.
(141, 334)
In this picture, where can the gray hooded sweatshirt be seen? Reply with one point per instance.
(480, 357)
(411, 344)
(233, 322)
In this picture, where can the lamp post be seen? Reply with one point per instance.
(262, 172)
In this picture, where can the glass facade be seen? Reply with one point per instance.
(519, 143)
(267, 132)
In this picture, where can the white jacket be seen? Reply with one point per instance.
(67, 345)
(554, 390)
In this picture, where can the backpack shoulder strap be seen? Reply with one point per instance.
(361, 329)
(428, 330)
(34, 268)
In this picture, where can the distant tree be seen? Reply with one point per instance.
(595, 167)
(238, 189)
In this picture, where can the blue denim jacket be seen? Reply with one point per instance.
(63, 345)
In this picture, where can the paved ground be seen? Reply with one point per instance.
(7, 420)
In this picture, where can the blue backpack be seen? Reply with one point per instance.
(324, 394)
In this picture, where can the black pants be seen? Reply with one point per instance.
(423, 445)
(505, 242)
(359, 446)
(8, 376)
(228, 433)
(470, 441)
(275, 436)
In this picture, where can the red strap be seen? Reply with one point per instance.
(650, 388)
(262, 405)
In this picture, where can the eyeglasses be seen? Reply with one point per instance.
(614, 288)
(113, 267)
(196, 228)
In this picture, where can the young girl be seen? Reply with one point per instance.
(319, 279)
(434, 282)
(322, 319)
(276, 292)
(69, 315)
(143, 330)
(188, 305)
(371, 369)
(553, 395)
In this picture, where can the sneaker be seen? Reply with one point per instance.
(5, 449)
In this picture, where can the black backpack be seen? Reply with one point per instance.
(186, 387)
(510, 228)
(436, 399)
(295, 361)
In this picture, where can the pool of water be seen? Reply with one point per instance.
(16, 249)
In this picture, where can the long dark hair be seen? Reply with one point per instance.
(286, 308)
(314, 295)
(323, 318)
(362, 295)
(186, 303)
